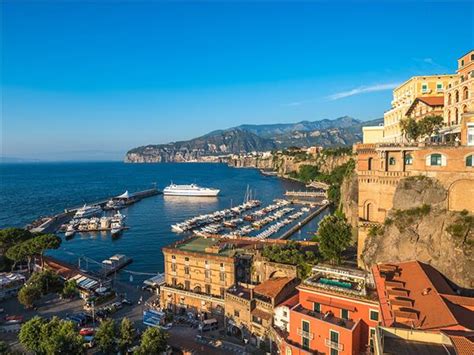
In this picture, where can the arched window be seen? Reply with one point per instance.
(408, 159)
(456, 96)
(449, 118)
(435, 159)
(369, 164)
(449, 99)
(369, 211)
(464, 109)
(456, 114)
(470, 160)
(465, 93)
(391, 161)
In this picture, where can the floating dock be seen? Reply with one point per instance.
(305, 221)
(114, 264)
(305, 194)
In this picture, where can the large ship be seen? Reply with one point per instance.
(189, 190)
(88, 211)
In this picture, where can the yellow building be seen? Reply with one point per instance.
(403, 97)
(372, 134)
(459, 101)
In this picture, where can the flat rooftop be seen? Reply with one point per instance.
(211, 246)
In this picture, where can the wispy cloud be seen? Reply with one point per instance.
(429, 63)
(362, 90)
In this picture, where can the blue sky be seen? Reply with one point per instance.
(91, 80)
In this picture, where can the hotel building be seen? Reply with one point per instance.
(337, 313)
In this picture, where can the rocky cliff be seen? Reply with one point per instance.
(350, 199)
(419, 227)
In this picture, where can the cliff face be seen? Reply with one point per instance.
(419, 227)
(350, 199)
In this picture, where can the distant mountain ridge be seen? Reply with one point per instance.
(246, 138)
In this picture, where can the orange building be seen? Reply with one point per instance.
(426, 106)
(337, 313)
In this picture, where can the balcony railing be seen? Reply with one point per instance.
(199, 295)
(305, 334)
(327, 318)
(333, 345)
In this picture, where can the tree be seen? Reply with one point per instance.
(69, 289)
(46, 280)
(105, 336)
(60, 337)
(13, 236)
(55, 336)
(29, 335)
(410, 129)
(28, 294)
(127, 334)
(334, 236)
(430, 124)
(44, 242)
(153, 341)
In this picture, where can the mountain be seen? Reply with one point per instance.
(246, 138)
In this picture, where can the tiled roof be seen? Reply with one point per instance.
(272, 287)
(414, 294)
(261, 314)
(432, 101)
(463, 342)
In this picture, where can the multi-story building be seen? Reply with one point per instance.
(459, 100)
(337, 313)
(250, 310)
(426, 106)
(403, 97)
(197, 273)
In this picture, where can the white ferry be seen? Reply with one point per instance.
(88, 211)
(190, 190)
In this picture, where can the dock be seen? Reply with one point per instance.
(305, 194)
(305, 221)
(53, 223)
(114, 264)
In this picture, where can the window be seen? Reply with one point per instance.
(222, 276)
(408, 159)
(186, 259)
(334, 352)
(317, 307)
(439, 87)
(173, 281)
(288, 351)
(222, 292)
(424, 88)
(391, 161)
(344, 314)
(285, 314)
(186, 270)
(222, 265)
(305, 343)
(187, 285)
(374, 315)
(208, 289)
(334, 336)
(371, 337)
(470, 135)
(173, 267)
(462, 62)
(173, 257)
(305, 325)
(236, 313)
(256, 319)
(470, 160)
(435, 159)
(207, 274)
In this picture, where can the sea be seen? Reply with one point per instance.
(29, 191)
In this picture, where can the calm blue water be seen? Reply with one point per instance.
(29, 191)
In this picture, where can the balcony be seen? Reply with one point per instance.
(327, 318)
(333, 345)
(199, 295)
(305, 334)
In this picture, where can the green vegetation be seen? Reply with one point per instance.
(54, 336)
(334, 237)
(153, 341)
(425, 127)
(291, 253)
(337, 152)
(463, 228)
(70, 289)
(105, 336)
(127, 335)
(20, 245)
(404, 218)
(39, 284)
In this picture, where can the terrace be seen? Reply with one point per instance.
(328, 317)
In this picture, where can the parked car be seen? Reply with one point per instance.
(89, 341)
(87, 331)
(117, 305)
(127, 302)
(208, 325)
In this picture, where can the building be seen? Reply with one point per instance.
(197, 273)
(459, 101)
(373, 134)
(337, 313)
(425, 106)
(404, 96)
(10, 284)
(414, 295)
(250, 309)
(281, 314)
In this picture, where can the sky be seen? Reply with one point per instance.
(90, 80)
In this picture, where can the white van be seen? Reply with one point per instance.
(208, 325)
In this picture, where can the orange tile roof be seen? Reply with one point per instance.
(414, 294)
(272, 287)
(432, 100)
(463, 342)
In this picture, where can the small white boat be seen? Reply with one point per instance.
(70, 231)
(88, 211)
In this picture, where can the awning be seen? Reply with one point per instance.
(332, 303)
(124, 195)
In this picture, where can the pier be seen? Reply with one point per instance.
(305, 194)
(305, 221)
(53, 223)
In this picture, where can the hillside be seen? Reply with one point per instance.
(248, 138)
